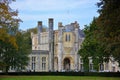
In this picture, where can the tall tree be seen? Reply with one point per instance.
(12, 51)
(91, 48)
(8, 47)
(109, 27)
(24, 42)
(7, 42)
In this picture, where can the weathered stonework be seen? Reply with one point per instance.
(56, 50)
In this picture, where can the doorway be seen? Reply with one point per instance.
(67, 64)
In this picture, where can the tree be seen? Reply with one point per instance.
(12, 51)
(91, 47)
(24, 42)
(109, 27)
(8, 47)
(8, 26)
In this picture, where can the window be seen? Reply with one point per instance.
(81, 67)
(106, 66)
(113, 69)
(33, 59)
(101, 67)
(43, 63)
(12, 67)
(81, 60)
(33, 63)
(33, 66)
(81, 64)
(67, 37)
(91, 67)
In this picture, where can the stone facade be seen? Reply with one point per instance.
(56, 50)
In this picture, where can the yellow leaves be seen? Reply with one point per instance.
(4, 8)
(12, 40)
(7, 13)
(6, 38)
(2, 34)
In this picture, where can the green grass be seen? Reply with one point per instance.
(56, 78)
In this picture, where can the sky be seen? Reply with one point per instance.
(65, 11)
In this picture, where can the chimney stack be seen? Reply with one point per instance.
(50, 23)
(60, 25)
(51, 45)
(39, 26)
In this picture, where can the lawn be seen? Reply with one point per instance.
(56, 78)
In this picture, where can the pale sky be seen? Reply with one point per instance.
(65, 11)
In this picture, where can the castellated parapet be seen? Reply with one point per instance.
(56, 50)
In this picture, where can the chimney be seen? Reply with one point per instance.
(60, 24)
(50, 23)
(76, 25)
(39, 26)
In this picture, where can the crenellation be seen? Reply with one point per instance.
(56, 50)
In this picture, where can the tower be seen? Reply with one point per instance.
(51, 45)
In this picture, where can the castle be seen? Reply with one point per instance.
(56, 50)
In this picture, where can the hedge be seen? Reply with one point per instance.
(104, 74)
